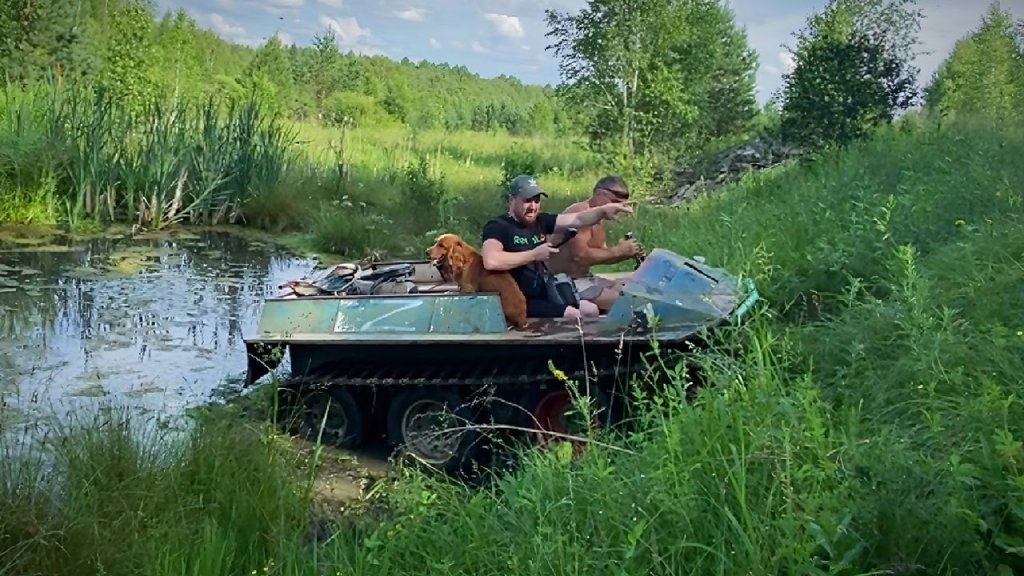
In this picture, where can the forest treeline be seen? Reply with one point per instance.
(639, 78)
(119, 112)
(135, 52)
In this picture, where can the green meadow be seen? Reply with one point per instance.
(865, 419)
(350, 192)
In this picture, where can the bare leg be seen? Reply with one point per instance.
(607, 297)
(588, 308)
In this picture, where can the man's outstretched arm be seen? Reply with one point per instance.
(591, 216)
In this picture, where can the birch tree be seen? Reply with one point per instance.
(649, 74)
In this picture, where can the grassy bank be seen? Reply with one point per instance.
(867, 421)
(83, 158)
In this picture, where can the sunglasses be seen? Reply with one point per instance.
(619, 194)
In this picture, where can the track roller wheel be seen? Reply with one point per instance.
(430, 425)
(333, 408)
(552, 412)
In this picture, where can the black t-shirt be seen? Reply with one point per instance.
(518, 237)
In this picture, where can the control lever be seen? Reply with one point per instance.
(639, 258)
(570, 233)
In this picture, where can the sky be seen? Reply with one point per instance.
(492, 37)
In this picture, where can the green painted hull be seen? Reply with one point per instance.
(668, 297)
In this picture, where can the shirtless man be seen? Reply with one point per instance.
(518, 241)
(590, 248)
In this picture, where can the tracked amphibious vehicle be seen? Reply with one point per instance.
(396, 350)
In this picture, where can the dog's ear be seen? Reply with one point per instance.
(457, 256)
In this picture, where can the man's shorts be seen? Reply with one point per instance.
(590, 287)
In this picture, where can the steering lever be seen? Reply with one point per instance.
(639, 259)
(570, 233)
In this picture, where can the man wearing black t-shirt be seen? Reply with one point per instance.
(517, 241)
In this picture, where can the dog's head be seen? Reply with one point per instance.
(449, 253)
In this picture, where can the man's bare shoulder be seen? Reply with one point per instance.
(577, 207)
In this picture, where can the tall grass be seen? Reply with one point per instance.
(194, 162)
(75, 155)
(867, 420)
(107, 494)
(393, 190)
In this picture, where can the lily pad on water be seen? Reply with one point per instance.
(144, 252)
(147, 388)
(130, 266)
(46, 248)
(132, 260)
(121, 265)
(104, 235)
(12, 416)
(167, 234)
(88, 273)
(27, 234)
(90, 391)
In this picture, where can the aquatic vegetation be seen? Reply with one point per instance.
(108, 162)
(92, 162)
(867, 419)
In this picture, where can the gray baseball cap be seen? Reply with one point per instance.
(524, 186)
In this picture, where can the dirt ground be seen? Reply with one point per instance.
(343, 478)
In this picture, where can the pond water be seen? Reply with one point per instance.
(153, 322)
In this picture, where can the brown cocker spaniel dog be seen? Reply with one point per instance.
(463, 264)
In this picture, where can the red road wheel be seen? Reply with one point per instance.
(556, 413)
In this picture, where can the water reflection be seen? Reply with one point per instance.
(153, 322)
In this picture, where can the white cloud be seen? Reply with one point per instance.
(351, 36)
(479, 48)
(536, 6)
(506, 25)
(225, 27)
(279, 8)
(412, 14)
(331, 3)
(347, 30)
(788, 61)
(434, 43)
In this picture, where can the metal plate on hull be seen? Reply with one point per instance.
(383, 316)
(683, 295)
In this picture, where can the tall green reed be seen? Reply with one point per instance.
(155, 164)
(107, 493)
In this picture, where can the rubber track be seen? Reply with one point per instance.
(452, 377)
